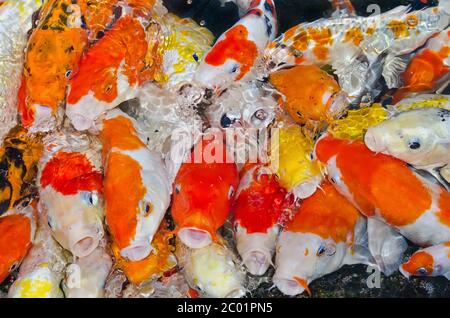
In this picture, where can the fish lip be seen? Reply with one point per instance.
(85, 245)
(371, 142)
(196, 241)
(137, 251)
(257, 261)
(288, 286)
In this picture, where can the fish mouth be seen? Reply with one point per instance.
(257, 262)
(80, 122)
(136, 252)
(195, 238)
(371, 141)
(84, 246)
(289, 287)
(308, 188)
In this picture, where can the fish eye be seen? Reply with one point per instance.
(148, 208)
(422, 271)
(195, 56)
(414, 144)
(230, 192)
(91, 198)
(177, 188)
(68, 73)
(235, 227)
(235, 68)
(321, 250)
(108, 88)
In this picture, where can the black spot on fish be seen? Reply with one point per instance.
(64, 7)
(4, 206)
(83, 22)
(57, 28)
(16, 141)
(70, 49)
(269, 7)
(269, 27)
(63, 19)
(100, 34)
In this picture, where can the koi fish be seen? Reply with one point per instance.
(137, 187)
(432, 261)
(160, 260)
(71, 198)
(309, 94)
(203, 193)
(384, 188)
(42, 270)
(260, 201)
(326, 233)
(15, 21)
(110, 73)
(19, 156)
(17, 229)
(429, 68)
(86, 277)
(213, 270)
(235, 53)
(360, 49)
(182, 47)
(292, 162)
(54, 49)
(420, 137)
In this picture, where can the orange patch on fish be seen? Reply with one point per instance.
(308, 91)
(401, 197)
(15, 241)
(235, 46)
(71, 172)
(119, 132)
(354, 35)
(51, 57)
(418, 260)
(327, 214)
(122, 211)
(444, 208)
(398, 28)
(304, 284)
(301, 40)
(98, 14)
(154, 265)
(124, 45)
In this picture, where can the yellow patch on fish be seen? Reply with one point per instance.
(355, 125)
(294, 164)
(437, 101)
(35, 288)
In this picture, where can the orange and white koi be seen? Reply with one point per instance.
(71, 193)
(326, 233)
(384, 188)
(136, 186)
(429, 262)
(17, 229)
(52, 55)
(236, 51)
(203, 193)
(15, 21)
(110, 73)
(310, 94)
(260, 201)
(429, 68)
(360, 49)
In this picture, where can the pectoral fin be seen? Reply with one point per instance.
(386, 245)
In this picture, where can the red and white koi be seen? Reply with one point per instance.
(259, 204)
(236, 52)
(429, 262)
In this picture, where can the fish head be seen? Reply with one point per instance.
(421, 263)
(229, 61)
(204, 200)
(302, 258)
(407, 136)
(71, 195)
(257, 209)
(51, 60)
